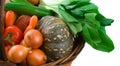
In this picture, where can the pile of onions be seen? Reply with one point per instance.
(28, 50)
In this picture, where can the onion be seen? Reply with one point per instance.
(33, 39)
(17, 53)
(36, 57)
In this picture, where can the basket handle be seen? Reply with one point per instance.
(2, 50)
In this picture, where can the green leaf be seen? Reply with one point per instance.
(95, 35)
(74, 3)
(66, 16)
(89, 8)
(90, 19)
(75, 27)
(103, 20)
(91, 26)
(106, 44)
(90, 36)
(72, 22)
(79, 8)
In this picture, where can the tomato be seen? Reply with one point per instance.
(13, 35)
(33, 38)
(7, 48)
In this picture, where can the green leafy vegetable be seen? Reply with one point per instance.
(83, 17)
(87, 7)
(94, 35)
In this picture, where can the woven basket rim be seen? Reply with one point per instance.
(62, 61)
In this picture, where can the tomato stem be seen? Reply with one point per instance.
(8, 39)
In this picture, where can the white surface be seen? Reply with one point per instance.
(91, 57)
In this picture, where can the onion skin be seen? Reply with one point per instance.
(17, 53)
(33, 39)
(23, 43)
(36, 57)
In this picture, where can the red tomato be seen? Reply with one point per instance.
(7, 48)
(13, 34)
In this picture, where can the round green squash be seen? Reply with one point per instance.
(58, 40)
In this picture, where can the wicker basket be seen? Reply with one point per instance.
(65, 61)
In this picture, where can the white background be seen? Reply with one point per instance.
(92, 57)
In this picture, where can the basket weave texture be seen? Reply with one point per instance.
(65, 61)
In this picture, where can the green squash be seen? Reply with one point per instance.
(58, 40)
